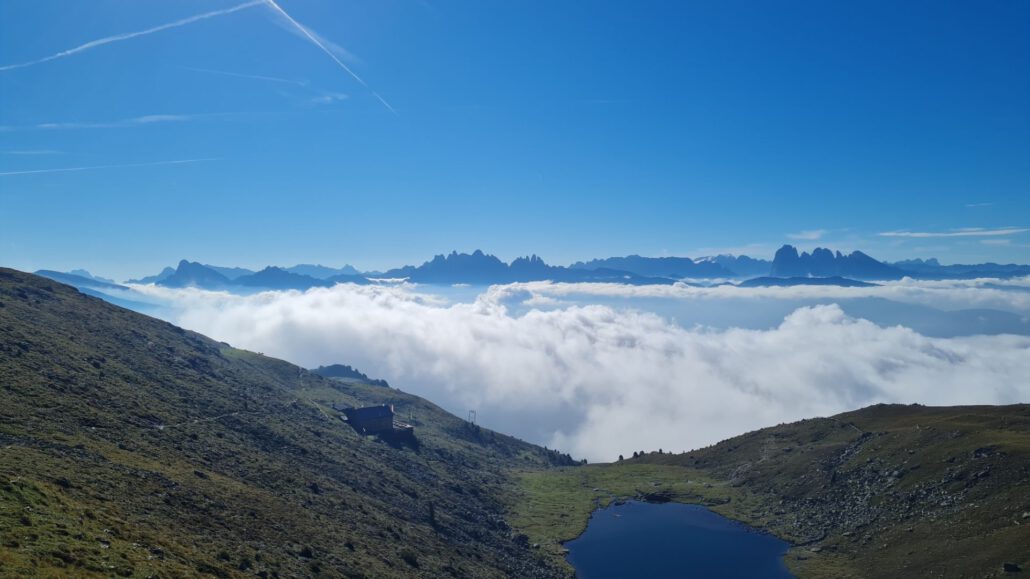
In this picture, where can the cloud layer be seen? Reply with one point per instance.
(1008, 294)
(599, 381)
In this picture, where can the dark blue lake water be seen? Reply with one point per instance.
(673, 540)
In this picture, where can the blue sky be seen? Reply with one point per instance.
(568, 129)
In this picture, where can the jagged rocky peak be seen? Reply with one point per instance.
(786, 254)
(531, 261)
(823, 262)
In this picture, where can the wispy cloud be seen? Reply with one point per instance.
(337, 53)
(248, 76)
(991, 204)
(34, 152)
(808, 235)
(139, 121)
(321, 97)
(130, 35)
(95, 167)
(329, 98)
(321, 44)
(134, 121)
(965, 232)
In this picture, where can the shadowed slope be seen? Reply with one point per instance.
(131, 447)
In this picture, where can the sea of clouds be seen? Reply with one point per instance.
(602, 379)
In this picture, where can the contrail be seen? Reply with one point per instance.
(128, 35)
(319, 44)
(90, 168)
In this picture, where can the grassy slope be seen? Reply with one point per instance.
(131, 447)
(885, 491)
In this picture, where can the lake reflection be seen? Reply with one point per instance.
(673, 540)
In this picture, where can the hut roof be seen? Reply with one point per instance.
(381, 411)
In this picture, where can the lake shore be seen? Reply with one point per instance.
(554, 507)
(885, 491)
(636, 538)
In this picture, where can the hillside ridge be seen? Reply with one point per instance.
(884, 491)
(131, 447)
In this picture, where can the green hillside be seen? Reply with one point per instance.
(131, 447)
(886, 491)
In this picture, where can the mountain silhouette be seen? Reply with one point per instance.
(672, 267)
(193, 274)
(479, 268)
(165, 274)
(474, 268)
(321, 271)
(79, 281)
(825, 263)
(277, 278)
(741, 265)
(86, 274)
(230, 272)
(933, 269)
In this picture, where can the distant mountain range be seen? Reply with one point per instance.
(323, 272)
(194, 274)
(672, 267)
(318, 272)
(86, 274)
(857, 265)
(80, 281)
(932, 269)
(165, 274)
(482, 268)
(739, 265)
(711, 267)
(789, 267)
